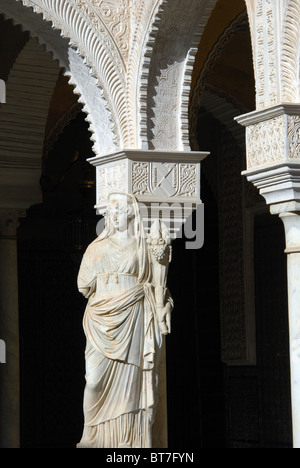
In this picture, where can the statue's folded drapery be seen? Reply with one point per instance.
(122, 339)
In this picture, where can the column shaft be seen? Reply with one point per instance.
(292, 231)
(294, 327)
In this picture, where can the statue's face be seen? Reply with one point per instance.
(119, 217)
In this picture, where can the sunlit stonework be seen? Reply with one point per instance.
(141, 71)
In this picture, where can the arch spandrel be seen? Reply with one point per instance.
(167, 73)
(275, 33)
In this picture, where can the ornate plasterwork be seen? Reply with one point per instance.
(275, 31)
(294, 136)
(165, 179)
(272, 135)
(103, 126)
(166, 184)
(266, 54)
(265, 142)
(110, 36)
(112, 17)
(157, 180)
(141, 53)
(80, 22)
(290, 52)
(150, 174)
(167, 72)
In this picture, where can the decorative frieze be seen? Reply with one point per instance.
(294, 136)
(266, 142)
(272, 135)
(153, 174)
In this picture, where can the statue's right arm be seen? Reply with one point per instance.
(86, 280)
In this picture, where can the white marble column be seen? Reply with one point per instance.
(291, 223)
(9, 331)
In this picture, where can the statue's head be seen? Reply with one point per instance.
(120, 210)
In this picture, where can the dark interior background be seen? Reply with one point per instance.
(210, 404)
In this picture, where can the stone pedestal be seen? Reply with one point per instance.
(9, 331)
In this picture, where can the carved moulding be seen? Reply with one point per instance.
(273, 152)
(166, 184)
(264, 15)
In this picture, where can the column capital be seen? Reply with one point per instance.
(273, 152)
(165, 183)
(9, 220)
(272, 136)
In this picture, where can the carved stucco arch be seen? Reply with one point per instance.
(102, 126)
(144, 73)
(291, 52)
(109, 35)
(167, 71)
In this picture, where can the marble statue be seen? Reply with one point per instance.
(123, 275)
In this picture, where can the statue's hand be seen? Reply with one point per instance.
(164, 318)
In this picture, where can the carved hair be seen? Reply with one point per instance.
(122, 206)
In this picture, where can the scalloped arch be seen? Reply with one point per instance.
(237, 24)
(167, 71)
(103, 126)
(24, 116)
(82, 24)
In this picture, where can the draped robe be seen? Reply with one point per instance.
(122, 339)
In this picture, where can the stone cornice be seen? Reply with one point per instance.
(153, 155)
(278, 183)
(269, 113)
